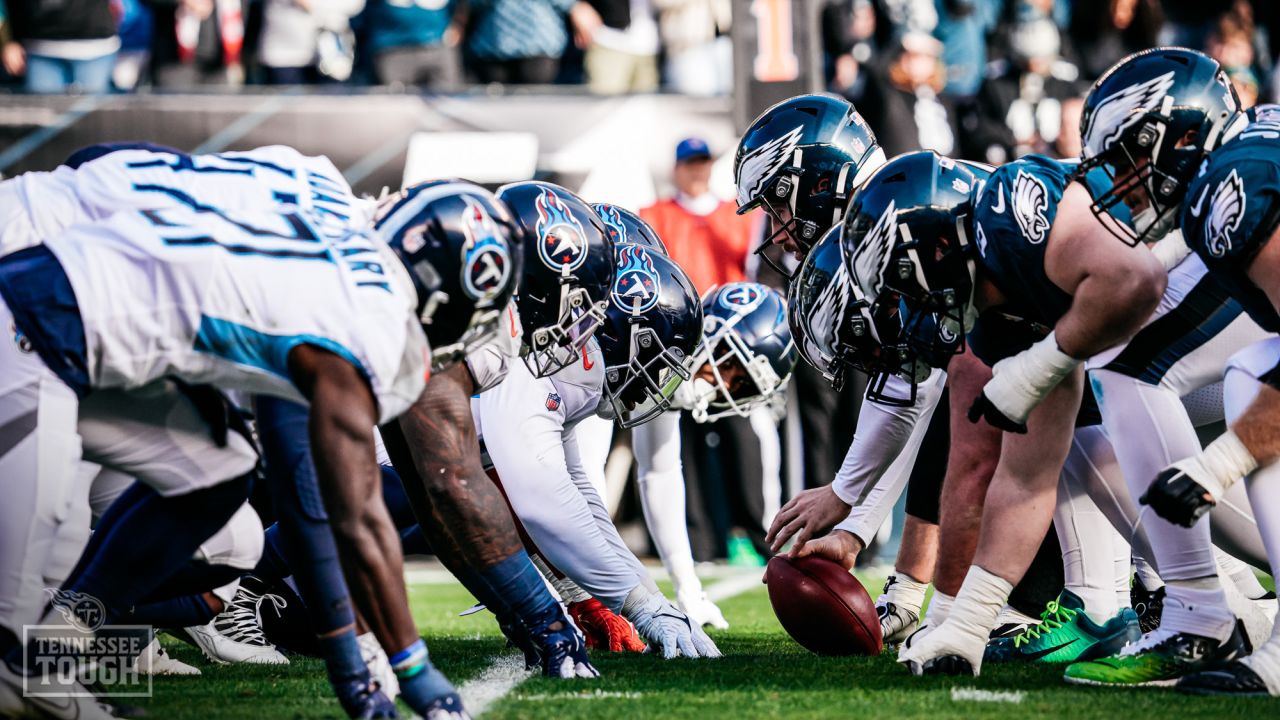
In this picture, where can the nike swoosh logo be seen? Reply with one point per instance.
(586, 361)
(1048, 651)
(1195, 209)
(998, 206)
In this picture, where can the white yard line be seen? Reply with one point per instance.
(507, 671)
(976, 695)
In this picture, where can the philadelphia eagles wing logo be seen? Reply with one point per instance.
(1030, 202)
(871, 256)
(1120, 111)
(1226, 211)
(756, 169)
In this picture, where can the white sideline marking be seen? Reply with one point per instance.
(490, 686)
(586, 695)
(507, 671)
(976, 695)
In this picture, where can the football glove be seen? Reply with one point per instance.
(665, 627)
(1019, 383)
(701, 610)
(604, 630)
(1183, 492)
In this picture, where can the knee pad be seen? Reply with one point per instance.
(237, 544)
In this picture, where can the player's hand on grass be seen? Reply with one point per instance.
(665, 627)
(840, 546)
(604, 629)
(701, 610)
(810, 513)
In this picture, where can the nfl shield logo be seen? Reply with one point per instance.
(553, 401)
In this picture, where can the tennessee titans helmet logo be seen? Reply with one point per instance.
(562, 242)
(1226, 210)
(85, 612)
(613, 223)
(486, 262)
(636, 286)
(742, 298)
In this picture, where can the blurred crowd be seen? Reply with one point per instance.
(984, 79)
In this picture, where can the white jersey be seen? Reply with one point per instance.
(527, 425)
(38, 205)
(221, 298)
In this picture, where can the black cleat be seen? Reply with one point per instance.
(1149, 604)
(1234, 678)
(947, 665)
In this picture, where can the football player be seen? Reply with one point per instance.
(527, 424)
(354, 349)
(1231, 220)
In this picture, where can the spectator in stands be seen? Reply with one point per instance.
(962, 28)
(903, 103)
(307, 41)
(521, 41)
(61, 46)
(848, 40)
(620, 38)
(196, 42)
(136, 31)
(415, 42)
(1068, 144)
(1105, 31)
(704, 234)
(1019, 107)
(695, 41)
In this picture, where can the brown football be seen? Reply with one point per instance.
(822, 606)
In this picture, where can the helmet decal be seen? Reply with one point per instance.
(486, 262)
(742, 298)
(636, 280)
(562, 242)
(756, 169)
(1120, 111)
(1226, 210)
(871, 256)
(613, 223)
(830, 306)
(1030, 201)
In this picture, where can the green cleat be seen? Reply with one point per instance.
(1066, 633)
(1159, 660)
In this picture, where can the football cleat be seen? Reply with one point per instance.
(77, 704)
(235, 635)
(446, 707)
(946, 650)
(605, 630)
(375, 658)
(155, 660)
(1066, 633)
(518, 637)
(1010, 622)
(1159, 659)
(1234, 678)
(562, 651)
(1148, 604)
(361, 698)
(897, 621)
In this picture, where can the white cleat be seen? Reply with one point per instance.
(947, 650)
(896, 623)
(155, 660)
(375, 658)
(78, 704)
(235, 635)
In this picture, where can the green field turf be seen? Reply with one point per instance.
(763, 674)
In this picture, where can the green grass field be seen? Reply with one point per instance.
(763, 674)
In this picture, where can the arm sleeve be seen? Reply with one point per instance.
(538, 464)
(879, 462)
(662, 493)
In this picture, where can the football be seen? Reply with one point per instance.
(822, 606)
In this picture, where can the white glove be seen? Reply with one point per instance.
(701, 610)
(663, 626)
(1019, 383)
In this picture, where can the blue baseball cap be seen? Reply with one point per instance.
(691, 149)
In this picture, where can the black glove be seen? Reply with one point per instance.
(983, 408)
(1178, 498)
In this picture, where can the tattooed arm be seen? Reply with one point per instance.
(435, 451)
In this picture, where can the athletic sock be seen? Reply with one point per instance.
(1123, 576)
(341, 653)
(420, 682)
(522, 590)
(1146, 574)
(1240, 574)
(174, 613)
(1197, 610)
(939, 608)
(1265, 661)
(979, 602)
